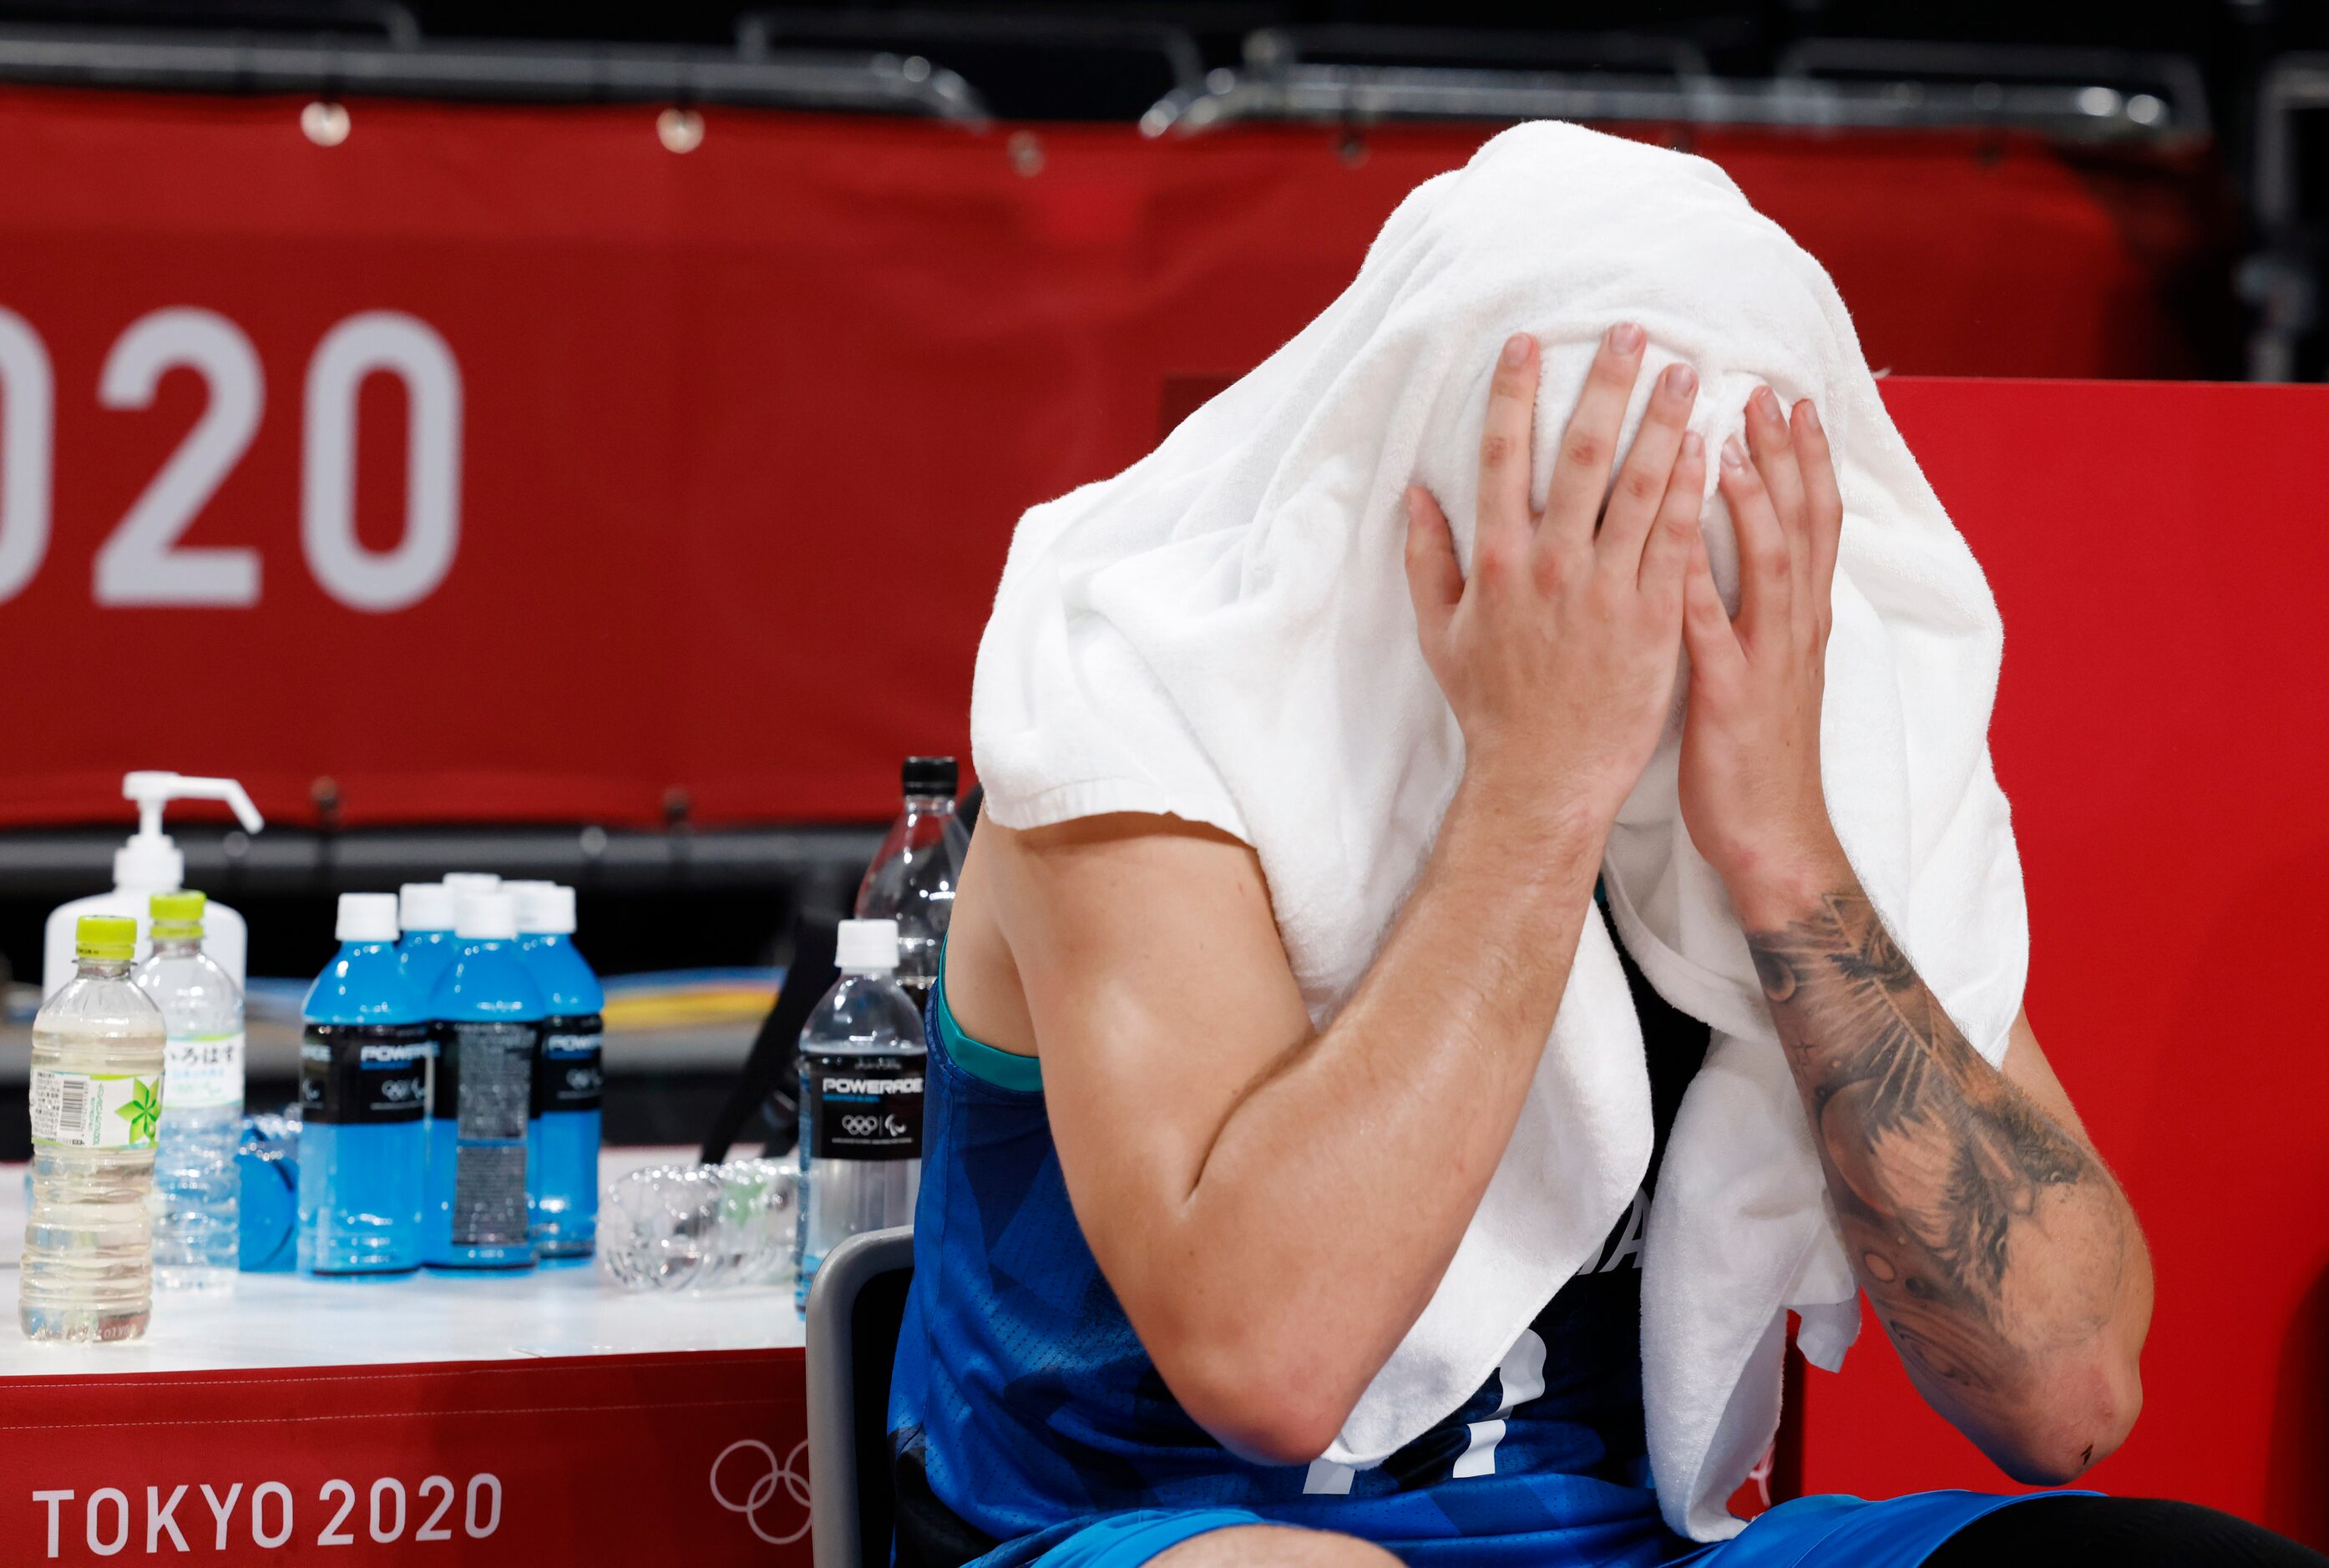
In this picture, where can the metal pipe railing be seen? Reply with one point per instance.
(926, 31)
(2162, 94)
(1353, 43)
(2100, 95)
(332, 66)
(1353, 94)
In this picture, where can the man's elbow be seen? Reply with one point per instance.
(1264, 1403)
(2086, 1414)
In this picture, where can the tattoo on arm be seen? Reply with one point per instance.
(1936, 1163)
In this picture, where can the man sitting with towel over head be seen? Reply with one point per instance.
(1492, 893)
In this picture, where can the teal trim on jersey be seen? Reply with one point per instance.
(1004, 1069)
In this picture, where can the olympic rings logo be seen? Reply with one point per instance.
(860, 1126)
(764, 1488)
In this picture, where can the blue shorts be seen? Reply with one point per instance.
(1828, 1531)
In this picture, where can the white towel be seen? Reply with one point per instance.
(1223, 633)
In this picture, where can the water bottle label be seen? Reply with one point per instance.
(94, 1110)
(202, 1072)
(569, 1072)
(484, 1084)
(362, 1074)
(862, 1107)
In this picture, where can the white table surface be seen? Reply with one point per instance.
(292, 1320)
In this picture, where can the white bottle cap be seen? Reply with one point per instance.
(367, 917)
(425, 906)
(462, 882)
(861, 944)
(518, 892)
(545, 909)
(486, 917)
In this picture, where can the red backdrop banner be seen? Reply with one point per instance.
(497, 464)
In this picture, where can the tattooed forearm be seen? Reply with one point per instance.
(1961, 1202)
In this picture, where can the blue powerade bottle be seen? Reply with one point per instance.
(425, 909)
(363, 1066)
(488, 1015)
(562, 1138)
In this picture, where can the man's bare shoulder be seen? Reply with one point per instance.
(1102, 907)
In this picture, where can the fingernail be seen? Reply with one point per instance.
(1626, 337)
(1734, 455)
(1811, 416)
(1681, 380)
(1692, 447)
(1516, 349)
(1767, 401)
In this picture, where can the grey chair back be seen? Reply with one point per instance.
(854, 1306)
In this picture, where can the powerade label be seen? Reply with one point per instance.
(862, 1107)
(484, 1082)
(363, 1074)
(202, 1071)
(94, 1110)
(570, 1071)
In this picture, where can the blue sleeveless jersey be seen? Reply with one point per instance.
(1023, 1405)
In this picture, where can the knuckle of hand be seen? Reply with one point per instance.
(1640, 484)
(1569, 568)
(1495, 451)
(1584, 449)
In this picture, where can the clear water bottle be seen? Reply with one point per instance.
(197, 1186)
(96, 1092)
(861, 1058)
(913, 875)
(681, 1228)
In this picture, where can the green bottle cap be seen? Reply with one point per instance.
(105, 938)
(177, 915)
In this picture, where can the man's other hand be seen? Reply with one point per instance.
(1751, 753)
